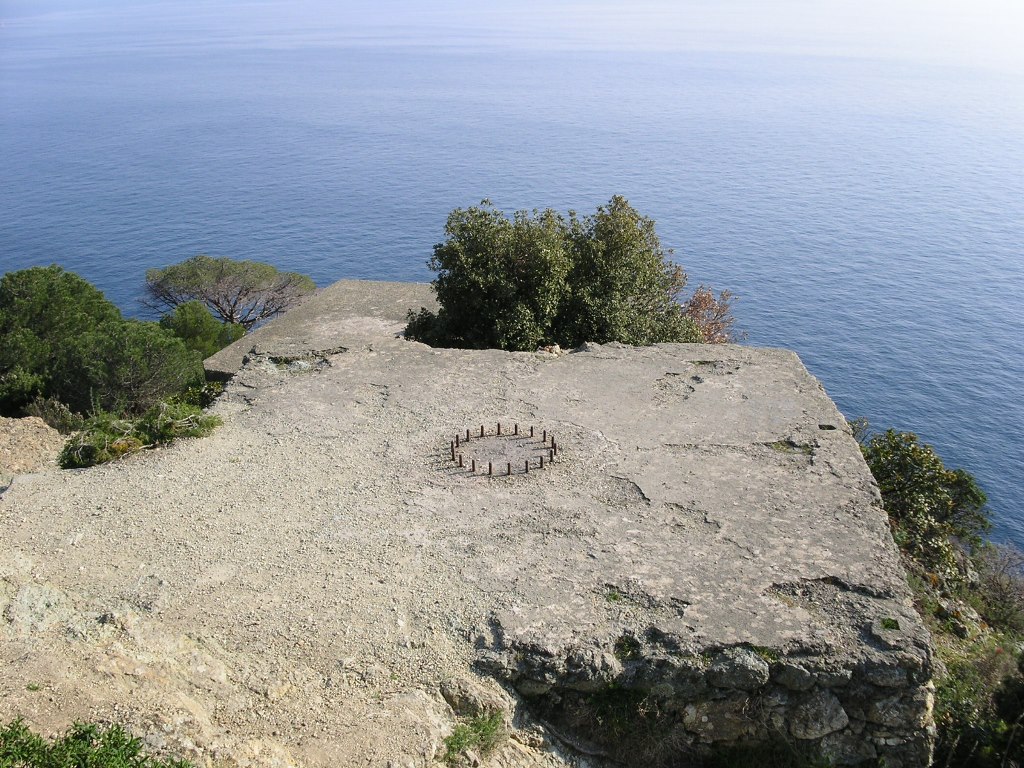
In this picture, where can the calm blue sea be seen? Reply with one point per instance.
(868, 211)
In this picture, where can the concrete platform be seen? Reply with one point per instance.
(704, 563)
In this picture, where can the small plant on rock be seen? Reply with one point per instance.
(84, 745)
(481, 734)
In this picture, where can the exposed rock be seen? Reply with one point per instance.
(820, 714)
(27, 445)
(792, 676)
(738, 668)
(469, 698)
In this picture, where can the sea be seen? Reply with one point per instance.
(866, 208)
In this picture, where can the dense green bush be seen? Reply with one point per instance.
(42, 310)
(541, 278)
(931, 508)
(622, 286)
(85, 745)
(64, 341)
(199, 330)
(125, 366)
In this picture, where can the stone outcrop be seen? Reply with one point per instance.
(701, 562)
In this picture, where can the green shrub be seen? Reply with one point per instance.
(41, 310)
(930, 507)
(107, 437)
(199, 330)
(622, 286)
(166, 422)
(104, 437)
(481, 734)
(201, 396)
(64, 341)
(539, 278)
(85, 745)
(125, 366)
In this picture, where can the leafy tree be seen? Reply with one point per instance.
(64, 341)
(622, 287)
(930, 507)
(124, 366)
(238, 292)
(202, 332)
(541, 278)
(500, 282)
(41, 309)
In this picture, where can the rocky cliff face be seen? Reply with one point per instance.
(341, 572)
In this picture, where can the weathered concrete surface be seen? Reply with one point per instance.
(348, 313)
(705, 561)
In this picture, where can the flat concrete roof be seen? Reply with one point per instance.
(702, 497)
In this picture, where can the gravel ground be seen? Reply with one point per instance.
(242, 599)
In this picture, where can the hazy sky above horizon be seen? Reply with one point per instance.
(985, 33)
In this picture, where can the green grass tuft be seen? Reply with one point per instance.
(480, 734)
(84, 745)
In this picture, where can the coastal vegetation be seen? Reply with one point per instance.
(543, 278)
(65, 341)
(245, 293)
(970, 593)
(118, 385)
(199, 330)
(84, 745)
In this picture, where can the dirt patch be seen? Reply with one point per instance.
(27, 445)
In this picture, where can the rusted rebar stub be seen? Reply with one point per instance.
(521, 450)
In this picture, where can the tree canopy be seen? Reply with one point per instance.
(927, 503)
(193, 324)
(542, 278)
(64, 340)
(41, 309)
(238, 292)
